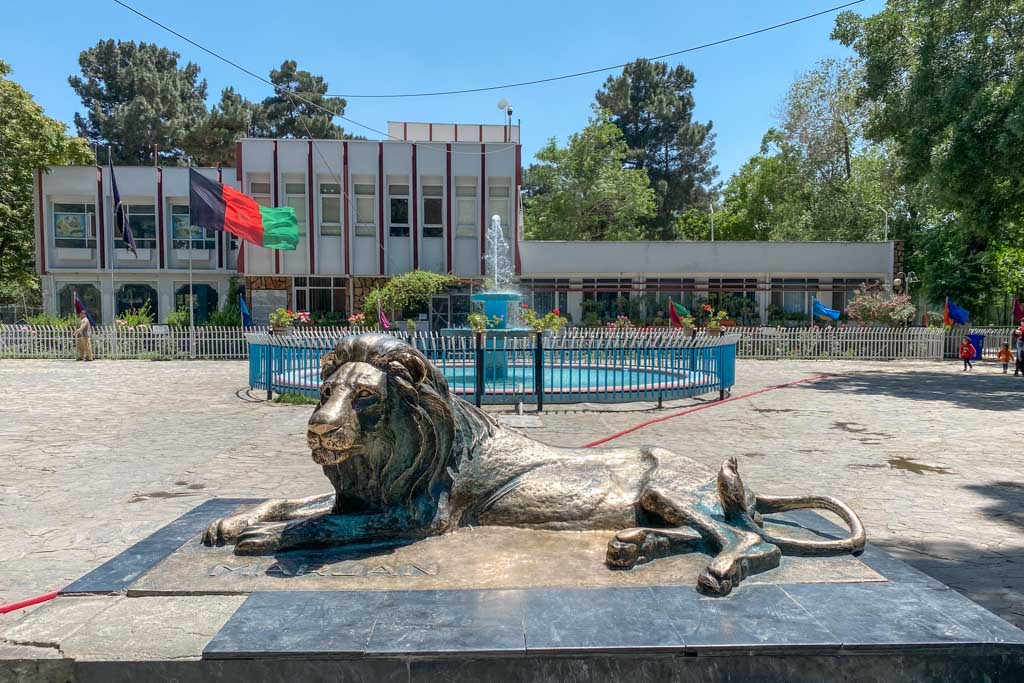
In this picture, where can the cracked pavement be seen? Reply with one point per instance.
(95, 457)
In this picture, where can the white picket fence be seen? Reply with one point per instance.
(871, 343)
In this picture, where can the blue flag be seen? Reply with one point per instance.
(122, 230)
(80, 308)
(955, 314)
(821, 312)
(246, 318)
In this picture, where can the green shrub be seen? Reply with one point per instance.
(178, 318)
(296, 400)
(135, 317)
(407, 293)
(52, 320)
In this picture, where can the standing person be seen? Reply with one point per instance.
(967, 352)
(1018, 367)
(1004, 356)
(82, 335)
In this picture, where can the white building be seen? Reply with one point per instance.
(372, 209)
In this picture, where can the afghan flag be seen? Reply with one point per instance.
(215, 206)
(676, 312)
(80, 308)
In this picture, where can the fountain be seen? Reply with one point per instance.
(499, 268)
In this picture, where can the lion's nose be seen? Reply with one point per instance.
(320, 428)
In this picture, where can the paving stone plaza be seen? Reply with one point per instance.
(96, 456)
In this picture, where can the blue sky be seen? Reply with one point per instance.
(403, 46)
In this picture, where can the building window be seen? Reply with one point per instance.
(137, 297)
(398, 196)
(186, 236)
(433, 209)
(791, 294)
(74, 226)
(204, 301)
(142, 219)
(366, 207)
(466, 216)
(260, 191)
(330, 210)
(321, 295)
(295, 197)
(88, 294)
(498, 196)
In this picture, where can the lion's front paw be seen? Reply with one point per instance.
(225, 531)
(260, 539)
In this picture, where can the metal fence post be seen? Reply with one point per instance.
(270, 371)
(479, 375)
(538, 371)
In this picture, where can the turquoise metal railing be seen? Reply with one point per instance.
(572, 369)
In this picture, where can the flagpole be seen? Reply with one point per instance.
(113, 259)
(191, 300)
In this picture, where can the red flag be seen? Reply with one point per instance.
(385, 324)
(1018, 311)
(673, 316)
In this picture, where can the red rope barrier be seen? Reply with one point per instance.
(703, 407)
(10, 607)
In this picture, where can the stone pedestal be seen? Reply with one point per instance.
(499, 604)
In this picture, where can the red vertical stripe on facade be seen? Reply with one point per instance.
(483, 205)
(405, 130)
(42, 223)
(380, 202)
(160, 214)
(277, 252)
(480, 133)
(456, 132)
(448, 202)
(223, 234)
(310, 232)
(515, 209)
(430, 132)
(100, 207)
(414, 228)
(344, 194)
(238, 162)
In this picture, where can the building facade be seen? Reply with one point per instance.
(369, 210)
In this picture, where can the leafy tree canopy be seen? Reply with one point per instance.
(284, 115)
(29, 140)
(136, 96)
(583, 191)
(652, 104)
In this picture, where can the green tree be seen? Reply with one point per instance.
(29, 140)
(816, 177)
(583, 191)
(652, 104)
(212, 142)
(136, 96)
(283, 115)
(944, 81)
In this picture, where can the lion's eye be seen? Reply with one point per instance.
(364, 393)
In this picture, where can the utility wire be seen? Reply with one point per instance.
(551, 79)
(296, 95)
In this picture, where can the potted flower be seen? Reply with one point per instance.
(687, 322)
(357, 320)
(480, 322)
(282, 321)
(551, 322)
(715, 321)
(621, 322)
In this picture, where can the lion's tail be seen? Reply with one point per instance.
(852, 543)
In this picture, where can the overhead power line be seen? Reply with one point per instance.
(292, 93)
(588, 72)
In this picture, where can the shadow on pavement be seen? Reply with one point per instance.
(985, 388)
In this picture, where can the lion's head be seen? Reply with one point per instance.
(384, 404)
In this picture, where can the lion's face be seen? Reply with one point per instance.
(353, 408)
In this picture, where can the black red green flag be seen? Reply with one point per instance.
(215, 206)
(676, 312)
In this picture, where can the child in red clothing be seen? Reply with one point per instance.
(1004, 356)
(967, 352)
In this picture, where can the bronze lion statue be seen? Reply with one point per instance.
(408, 460)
